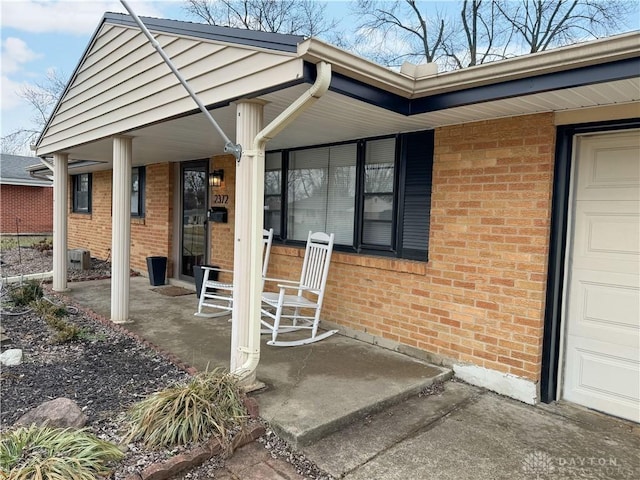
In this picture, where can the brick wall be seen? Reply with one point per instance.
(480, 298)
(150, 236)
(222, 234)
(31, 206)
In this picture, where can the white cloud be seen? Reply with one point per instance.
(66, 16)
(10, 98)
(15, 53)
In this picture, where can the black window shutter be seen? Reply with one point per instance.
(415, 195)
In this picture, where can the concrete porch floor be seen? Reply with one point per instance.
(311, 391)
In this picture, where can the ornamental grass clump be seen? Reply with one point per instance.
(55, 316)
(210, 403)
(26, 293)
(44, 453)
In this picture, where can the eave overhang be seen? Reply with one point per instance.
(606, 60)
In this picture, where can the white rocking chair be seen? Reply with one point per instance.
(219, 295)
(308, 295)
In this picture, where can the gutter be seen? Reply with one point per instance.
(606, 50)
(323, 79)
(34, 171)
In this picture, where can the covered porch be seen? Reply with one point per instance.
(482, 139)
(309, 391)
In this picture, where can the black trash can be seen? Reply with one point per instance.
(198, 275)
(157, 268)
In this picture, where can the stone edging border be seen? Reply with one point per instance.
(196, 456)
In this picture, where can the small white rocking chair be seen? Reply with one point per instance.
(219, 295)
(278, 305)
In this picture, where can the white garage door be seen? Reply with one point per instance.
(602, 336)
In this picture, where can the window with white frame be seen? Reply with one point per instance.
(373, 194)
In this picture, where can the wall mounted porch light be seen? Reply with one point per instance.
(215, 178)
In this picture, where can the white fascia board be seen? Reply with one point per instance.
(570, 57)
(559, 59)
(353, 66)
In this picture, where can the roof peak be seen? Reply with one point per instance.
(241, 36)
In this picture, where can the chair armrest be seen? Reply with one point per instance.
(298, 287)
(216, 269)
(292, 287)
(282, 280)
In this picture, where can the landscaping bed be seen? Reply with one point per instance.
(102, 368)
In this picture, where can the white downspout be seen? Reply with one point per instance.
(308, 98)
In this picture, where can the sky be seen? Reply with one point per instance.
(40, 35)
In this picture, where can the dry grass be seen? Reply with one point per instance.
(12, 241)
(190, 412)
(43, 453)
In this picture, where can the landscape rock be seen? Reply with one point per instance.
(60, 412)
(11, 357)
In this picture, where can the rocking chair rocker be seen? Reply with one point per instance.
(308, 295)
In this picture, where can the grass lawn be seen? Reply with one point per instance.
(12, 241)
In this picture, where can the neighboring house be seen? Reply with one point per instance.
(27, 202)
(511, 248)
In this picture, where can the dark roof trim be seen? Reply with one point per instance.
(267, 40)
(370, 94)
(579, 77)
(590, 75)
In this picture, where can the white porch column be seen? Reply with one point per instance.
(121, 229)
(60, 199)
(247, 252)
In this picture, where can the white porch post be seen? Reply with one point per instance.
(60, 191)
(247, 252)
(121, 229)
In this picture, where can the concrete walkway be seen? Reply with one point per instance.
(467, 433)
(354, 409)
(310, 391)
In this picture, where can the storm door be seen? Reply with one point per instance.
(193, 231)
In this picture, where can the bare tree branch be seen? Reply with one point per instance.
(42, 97)
(295, 17)
(384, 26)
(543, 24)
(485, 30)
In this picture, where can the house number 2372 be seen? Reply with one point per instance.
(224, 199)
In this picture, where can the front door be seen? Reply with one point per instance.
(602, 338)
(193, 232)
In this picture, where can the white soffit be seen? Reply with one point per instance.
(337, 118)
